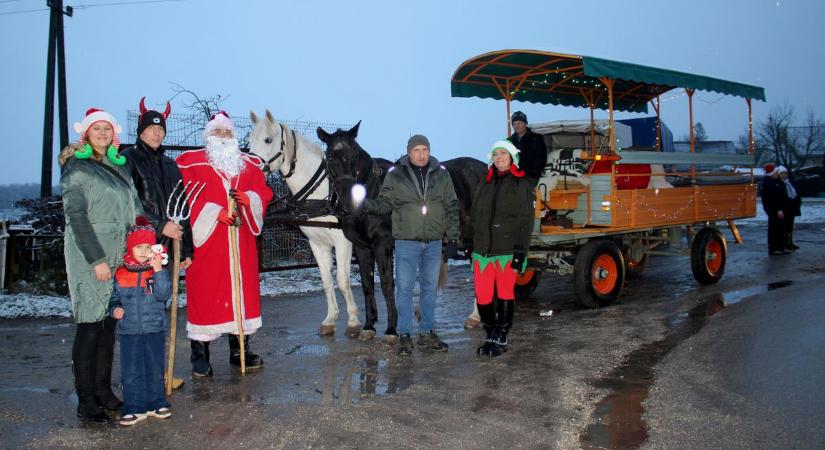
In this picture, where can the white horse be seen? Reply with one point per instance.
(300, 162)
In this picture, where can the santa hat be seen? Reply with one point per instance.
(94, 115)
(782, 169)
(219, 121)
(142, 232)
(771, 169)
(514, 155)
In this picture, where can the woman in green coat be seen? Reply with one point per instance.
(99, 202)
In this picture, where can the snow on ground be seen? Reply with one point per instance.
(301, 281)
(813, 211)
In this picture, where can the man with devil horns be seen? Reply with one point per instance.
(155, 176)
(226, 217)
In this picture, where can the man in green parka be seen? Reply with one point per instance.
(419, 194)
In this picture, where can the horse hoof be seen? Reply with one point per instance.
(366, 335)
(353, 332)
(326, 330)
(471, 322)
(391, 339)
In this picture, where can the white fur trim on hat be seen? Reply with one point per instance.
(782, 169)
(220, 121)
(94, 115)
(506, 145)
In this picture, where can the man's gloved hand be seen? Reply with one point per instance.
(450, 251)
(240, 197)
(226, 218)
(518, 261)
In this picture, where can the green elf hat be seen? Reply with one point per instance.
(506, 145)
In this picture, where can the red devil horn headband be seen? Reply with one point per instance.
(142, 106)
(167, 111)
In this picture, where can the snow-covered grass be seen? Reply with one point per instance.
(15, 306)
(813, 211)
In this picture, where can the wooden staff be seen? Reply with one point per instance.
(236, 262)
(173, 325)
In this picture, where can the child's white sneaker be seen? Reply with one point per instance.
(131, 419)
(160, 413)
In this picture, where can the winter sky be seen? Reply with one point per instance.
(389, 63)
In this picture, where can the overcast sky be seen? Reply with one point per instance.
(389, 63)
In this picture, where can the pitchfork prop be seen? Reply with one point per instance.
(178, 209)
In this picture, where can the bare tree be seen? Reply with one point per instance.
(787, 144)
(201, 109)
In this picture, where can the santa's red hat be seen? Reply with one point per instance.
(770, 169)
(220, 121)
(94, 115)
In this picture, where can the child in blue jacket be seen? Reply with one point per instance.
(138, 302)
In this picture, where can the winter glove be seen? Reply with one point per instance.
(468, 250)
(450, 251)
(240, 197)
(225, 218)
(518, 261)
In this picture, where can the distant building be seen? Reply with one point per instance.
(723, 147)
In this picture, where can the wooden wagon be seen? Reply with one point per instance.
(606, 228)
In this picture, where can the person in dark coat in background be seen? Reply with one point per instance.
(531, 145)
(792, 208)
(502, 218)
(774, 200)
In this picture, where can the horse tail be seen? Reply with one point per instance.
(442, 275)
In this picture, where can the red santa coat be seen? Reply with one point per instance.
(210, 279)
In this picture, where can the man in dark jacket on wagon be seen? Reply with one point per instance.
(531, 145)
(155, 175)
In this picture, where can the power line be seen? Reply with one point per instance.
(10, 1)
(85, 6)
(9, 13)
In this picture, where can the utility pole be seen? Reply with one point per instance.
(55, 40)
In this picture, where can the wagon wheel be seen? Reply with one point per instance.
(635, 259)
(599, 273)
(527, 282)
(708, 255)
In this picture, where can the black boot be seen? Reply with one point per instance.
(252, 360)
(103, 371)
(488, 319)
(84, 362)
(505, 322)
(200, 358)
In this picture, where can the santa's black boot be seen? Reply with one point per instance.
(488, 320)
(505, 322)
(200, 359)
(252, 360)
(103, 376)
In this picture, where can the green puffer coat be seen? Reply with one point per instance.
(418, 216)
(100, 203)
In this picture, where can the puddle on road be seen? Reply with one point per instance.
(617, 419)
(343, 386)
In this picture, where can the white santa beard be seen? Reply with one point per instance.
(225, 155)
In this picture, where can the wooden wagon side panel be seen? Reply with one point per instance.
(725, 202)
(646, 207)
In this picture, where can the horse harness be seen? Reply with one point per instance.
(299, 203)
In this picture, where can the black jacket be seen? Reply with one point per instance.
(533, 153)
(155, 176)
(774, 195)
(502, 215)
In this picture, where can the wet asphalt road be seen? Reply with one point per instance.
(673, 365)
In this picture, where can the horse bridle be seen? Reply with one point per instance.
(281, 152)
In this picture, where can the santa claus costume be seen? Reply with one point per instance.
(224, 172)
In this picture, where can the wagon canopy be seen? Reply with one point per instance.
(570, 80)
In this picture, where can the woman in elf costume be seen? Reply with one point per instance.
(502, 219)
(100, 202)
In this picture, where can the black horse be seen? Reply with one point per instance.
(371, 235)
